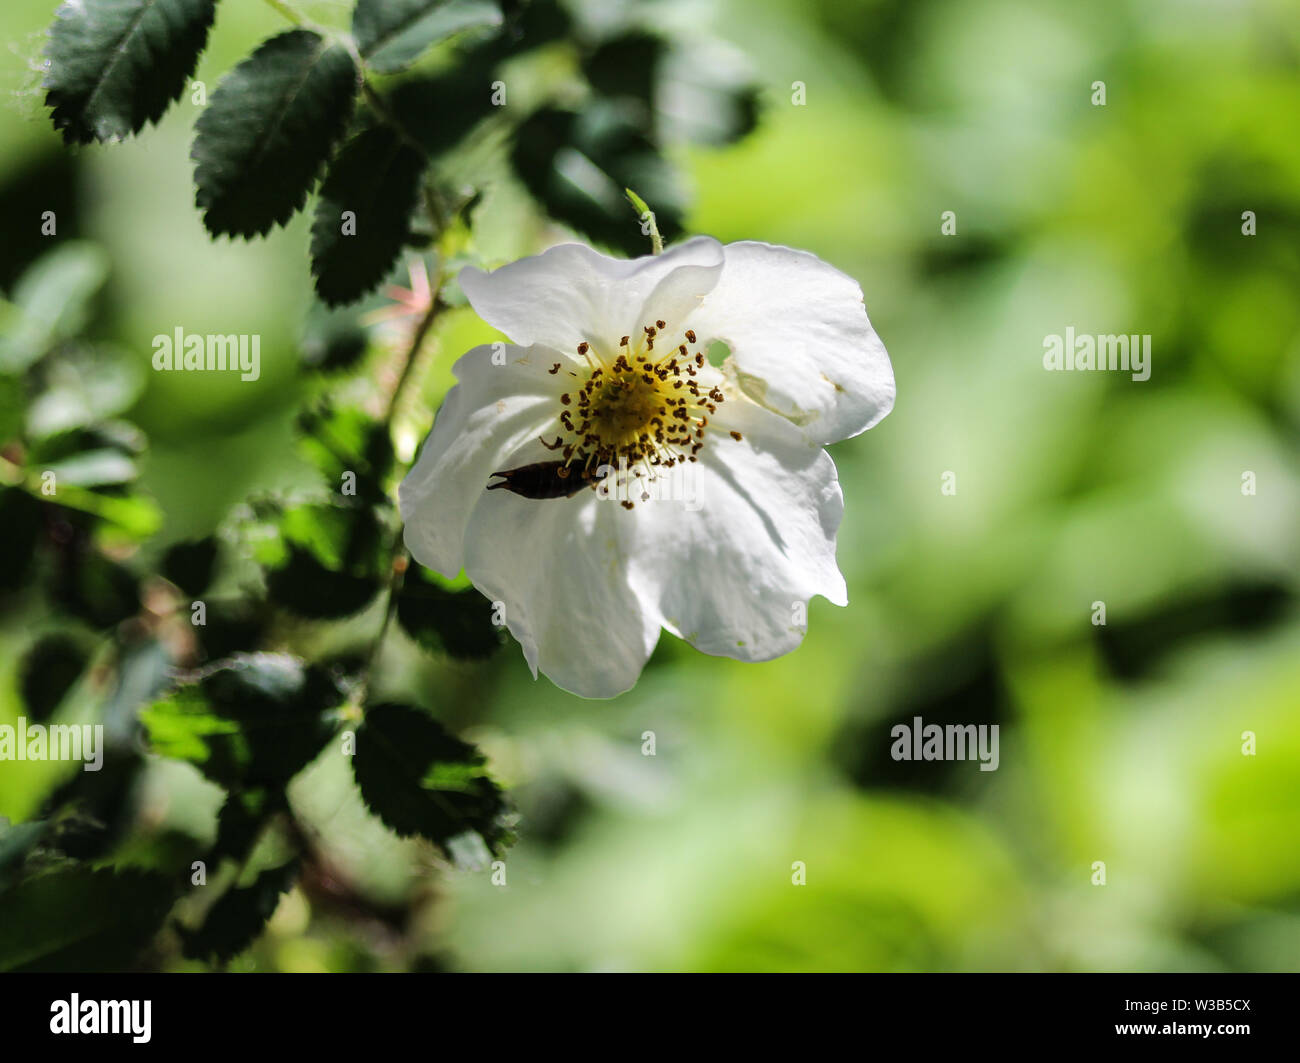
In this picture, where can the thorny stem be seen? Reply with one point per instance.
(398, 551)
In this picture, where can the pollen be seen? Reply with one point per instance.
(636, 408)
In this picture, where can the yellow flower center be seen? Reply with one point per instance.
(649, 411)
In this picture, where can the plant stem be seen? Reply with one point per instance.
(288, 12)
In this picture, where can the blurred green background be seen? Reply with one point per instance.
(1120, 743)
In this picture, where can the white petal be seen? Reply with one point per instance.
(571, 294)
(560, 566)
(728, 577)
(800, 338)
(487, 416)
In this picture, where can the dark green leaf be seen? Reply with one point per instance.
(241, 819)
(16, 841)
(239, 916)
(577, 164)
(626, 66)
(232, 627)
(254, 720)
(116, 64)
(457, 622)
(332, 340)
(333, 564)
(438, 110)
(79, 920)
(190, 565)
(268, 129)
(392, 33)
(48, 671)
(377, 179)
(420, 779)
(343, 439)
(100, 591)
(21, 522)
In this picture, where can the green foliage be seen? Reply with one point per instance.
(190, 565)
(376, 178)
(116, 64)
(421, 780)
(392, 33)
(81, 919)
(253, 720)
(455, 622)
(577, 164)
(48, 671)
(267, 131)
(230, 650)
(239, 915)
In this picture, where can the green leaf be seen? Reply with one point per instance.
(391, 34)
(333, 340)
(22, 520)
(268, 129)
(100, 591)
(48, 671)
(420, 779)
(53, 298)
(342, 439)
(376, 178)
(16, 841)
(626, 65)
(144, 671)
(116, 64)
(577, 165)
(83, 387)
(79, 920)
(13, 406)
(456, 622)
(253, 720)
(190, 565)
(439, 110)
(241, 819)
(333, 565)
(94, 468)
(239, 916)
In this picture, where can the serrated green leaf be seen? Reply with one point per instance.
(79, 920)
(268, 129)
(333, 564)
(253, 720)
(239, 916)
(376, 179)
(391, 34)
(241, 819)
(455, 622)
(420, 779)
(116, 64)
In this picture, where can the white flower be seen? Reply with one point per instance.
(611, 364)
